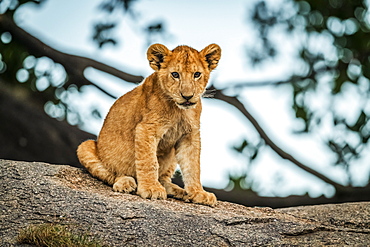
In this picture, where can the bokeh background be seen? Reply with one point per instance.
(288, 120)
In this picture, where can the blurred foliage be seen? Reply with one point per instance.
(330, 81)
(102, 34)
(238, 183)
(104, 27)
(249, 149)
(41, 79)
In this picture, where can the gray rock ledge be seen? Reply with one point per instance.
(35, 193)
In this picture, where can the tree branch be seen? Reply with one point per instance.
(74, 65)
(239, 85)
(293, 79)
(218, 94)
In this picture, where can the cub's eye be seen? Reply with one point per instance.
(197, 75)
(175, 75)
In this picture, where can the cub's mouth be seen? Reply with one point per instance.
(186, 104)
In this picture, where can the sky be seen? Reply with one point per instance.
(67, 25)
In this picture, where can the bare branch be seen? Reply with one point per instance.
(218, 94)
(74, 65)
(291, 80)
(239, 85)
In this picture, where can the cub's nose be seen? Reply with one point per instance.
(187, 97)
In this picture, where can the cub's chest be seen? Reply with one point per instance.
(172, 135)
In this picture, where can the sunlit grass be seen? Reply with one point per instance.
(55, 235)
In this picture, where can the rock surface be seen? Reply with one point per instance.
(35, 193)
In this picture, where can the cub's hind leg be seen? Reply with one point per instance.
(167, 166)
(88, 156)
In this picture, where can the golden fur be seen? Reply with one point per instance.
(156, 126)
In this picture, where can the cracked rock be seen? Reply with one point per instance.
(35, 193)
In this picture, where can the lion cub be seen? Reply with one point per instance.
(151, 129)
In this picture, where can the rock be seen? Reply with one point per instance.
(35, 193)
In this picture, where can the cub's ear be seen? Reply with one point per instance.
(212, 54)
(156, 54)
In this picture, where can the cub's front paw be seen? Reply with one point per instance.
(178, 193)
(202, 197)
(152, 191)
(174, 190)
(125, 184)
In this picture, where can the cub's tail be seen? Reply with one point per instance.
(88, 156)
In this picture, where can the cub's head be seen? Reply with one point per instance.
(183, 73)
